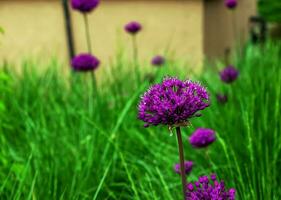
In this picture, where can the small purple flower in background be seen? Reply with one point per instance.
(229, 74)
(85, 62)
(202, 137)
(222, 98)
(158, 60)
(173, 102)
(133, 27)
(231, 4)
(84, 6)
(209, 189)
(187, 166)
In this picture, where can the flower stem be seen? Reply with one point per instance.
(135, 57)
(181, 157)
(87, 29)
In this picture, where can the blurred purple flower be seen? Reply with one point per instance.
(206, 189)
(222, 98)
(229, 74)
(172, 102)
(133, 27)
(84, 6)
(187, 166)
(158, 60)
(85, 62)
(202, 137)
(231, 4)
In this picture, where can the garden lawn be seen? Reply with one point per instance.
(60, 140)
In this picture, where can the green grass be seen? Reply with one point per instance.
(59, 140)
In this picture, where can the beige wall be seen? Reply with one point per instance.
(224, 28)
(175, 25)
(36, 28)
(32, 29)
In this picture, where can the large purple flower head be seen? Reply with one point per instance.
(158, 60)
(209, 189)
(85, 62)
(187, 166)
(229, 74)
(231, 4)
(202, 137)
(84, 6)
(172, 103)
(222, 98)
(133, 27)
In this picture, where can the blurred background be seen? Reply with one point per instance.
(190, 30)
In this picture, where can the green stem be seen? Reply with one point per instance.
(87, 30)
(181, 157)
(135, 57)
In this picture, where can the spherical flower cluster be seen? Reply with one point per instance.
(158, 60)
(229, 74)
(133, 27)
(204, 190)
(231, 4)
(84, 6)
(173, 102)
(187, 167)
(202, 137)
(85, 62)
(222, 98)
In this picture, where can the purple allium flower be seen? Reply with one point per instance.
(133, 27)
(229, 74)
(158, 60)
(202, 137)
(209, 189)
(231, 4)
(84, 6)
(85, 62)
(222, 98)
(187, 166)
(173, 102)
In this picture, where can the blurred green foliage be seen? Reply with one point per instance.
(1, 30)
(270, 10)
(60, 140)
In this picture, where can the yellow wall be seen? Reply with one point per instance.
(176, 25)
(32, 28)
(37, 28)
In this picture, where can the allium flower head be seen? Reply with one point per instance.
(202, 137)
(222, 98)
(85, 62)
(84, 6)
(229, 74)
(187, 166)
(133, 27)
(209, 189)
(173, 102)
(231, 4)
(158, 60)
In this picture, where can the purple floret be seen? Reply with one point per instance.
(229, 74)
(158, 61)
(209, 189)
(85, 62)
(133, 27)
(231, 4)
(173, 102)
(84, 6)
(202, 137)
(187, 166)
